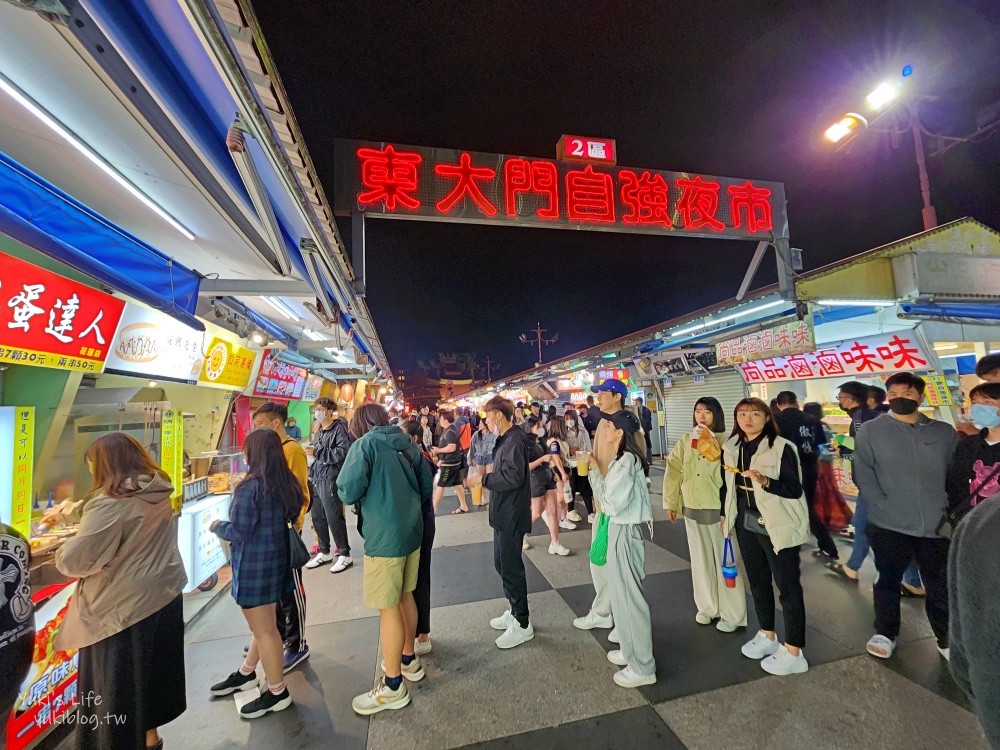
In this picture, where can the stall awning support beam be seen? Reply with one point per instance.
(247, 288)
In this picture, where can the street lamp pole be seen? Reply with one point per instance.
(927, 212)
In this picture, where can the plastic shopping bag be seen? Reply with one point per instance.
(599, 547)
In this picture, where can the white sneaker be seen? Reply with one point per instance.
(945, 652)
(702, 619)
(342, 564)
(613, 636)
(380, 698)
(567, 524)
(593, 620)
(525, 545)
(591, 517)
(413, 671)
(724, 626)
(420, 648)
(503, 622)
(558, 549)
(618, 658)
(574, 517)
(782, 662)
(626, 678)
(319, 559)
(515, 635)
(760, 646)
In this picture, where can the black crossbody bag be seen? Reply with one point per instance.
(753, 521)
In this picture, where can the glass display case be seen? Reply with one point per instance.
(225, 470)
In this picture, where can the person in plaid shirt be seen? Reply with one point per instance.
(264, 504)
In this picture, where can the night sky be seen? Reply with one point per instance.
(742, 89)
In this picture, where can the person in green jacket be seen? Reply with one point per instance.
(385, 476)
(691, 489)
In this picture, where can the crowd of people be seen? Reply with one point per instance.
(929, 503)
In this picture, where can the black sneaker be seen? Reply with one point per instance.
(267, 703)
(234, 684)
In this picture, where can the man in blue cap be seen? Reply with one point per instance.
(611, 395)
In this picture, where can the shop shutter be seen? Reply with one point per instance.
(727, 386)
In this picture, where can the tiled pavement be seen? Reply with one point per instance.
(556, 691)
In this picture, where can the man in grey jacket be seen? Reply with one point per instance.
(901, 463)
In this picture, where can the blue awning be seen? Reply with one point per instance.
(38, 214)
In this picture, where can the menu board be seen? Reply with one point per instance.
(314, 386)
(151, 343)
(278, 379)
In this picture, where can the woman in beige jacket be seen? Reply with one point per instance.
(691, 486)
(126, 615)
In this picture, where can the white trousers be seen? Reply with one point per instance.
(710, 593)
(626, 568)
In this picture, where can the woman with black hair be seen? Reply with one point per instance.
(763, 500)
(691, 487)
(264, 505)
(625, 501)
(544, 498)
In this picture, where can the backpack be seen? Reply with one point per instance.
(465, 437)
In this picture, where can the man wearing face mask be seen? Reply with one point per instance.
(901, 466)
(988, 369)
(331, 443)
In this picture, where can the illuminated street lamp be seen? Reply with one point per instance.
(881, 101)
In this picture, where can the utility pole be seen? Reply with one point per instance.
(539, 339)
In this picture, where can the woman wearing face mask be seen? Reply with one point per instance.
(580, 447)
(691, 487)
(974, 474)
(544, 500)
(426, 433)
(765, 504)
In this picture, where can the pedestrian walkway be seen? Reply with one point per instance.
(556, 691)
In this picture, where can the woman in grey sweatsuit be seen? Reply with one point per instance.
(624, 498)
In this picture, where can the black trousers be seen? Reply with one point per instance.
(422, 593)
(510, 565)
(893, 552)
(762, 566)
(328, 516)
(138, 676)
(810, 477)
(582, 485)
(291, 614)
(649, 446)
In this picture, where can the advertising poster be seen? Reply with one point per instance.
(227, 366)
(152, 344)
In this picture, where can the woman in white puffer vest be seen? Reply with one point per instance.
(765, 504)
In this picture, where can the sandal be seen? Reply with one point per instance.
(458, 511)
(842, 570)
(880, 646)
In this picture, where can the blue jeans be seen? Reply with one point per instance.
(860, 550)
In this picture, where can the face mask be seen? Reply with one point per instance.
(320, 415)
(903, 406)
(570, 423)
(984, 416)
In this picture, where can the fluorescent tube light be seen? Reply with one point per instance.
(857, 302)
(730, 316)
(281, 307)
(76, 142)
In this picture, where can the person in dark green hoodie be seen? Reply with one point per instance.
(385, 477)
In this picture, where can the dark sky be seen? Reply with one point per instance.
(743, 89)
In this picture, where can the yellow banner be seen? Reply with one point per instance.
(172, 453)
(938, 393)
(227, 366)
(24, 463)
(32, 358)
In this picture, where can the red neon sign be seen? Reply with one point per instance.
(465, 186)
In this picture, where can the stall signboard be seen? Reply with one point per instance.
(673, 363)
(201, 550)
(47, 320)
(875, 355)
(227, 365)
(17, 432)
(442, 184)
(796, 337)
(617, 373)
(50, 690)
(279, 380)
(152, 344)
(172, 453)
(938, 393)
(314, 386)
